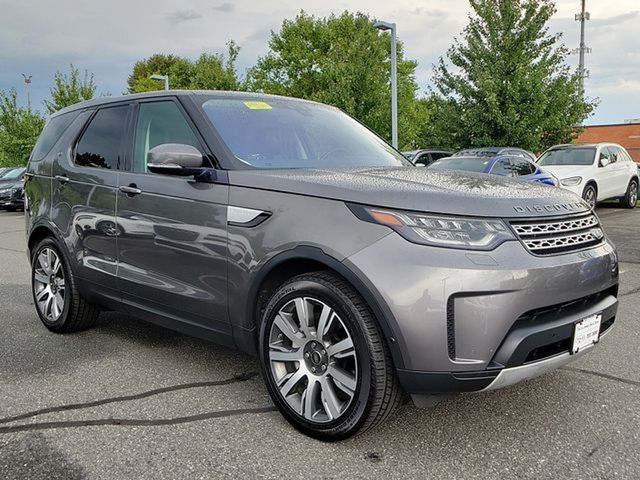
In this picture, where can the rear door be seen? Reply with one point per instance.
(606, 174)
(622, 171)
(84, 184)
(173, 242)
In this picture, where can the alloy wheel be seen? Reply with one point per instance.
(49, 284)
(590, 196)
(313, 359)
(633, 194)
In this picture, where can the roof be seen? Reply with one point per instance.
(175, 93)
(583, 145)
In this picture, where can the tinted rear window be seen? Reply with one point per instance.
(53, 130)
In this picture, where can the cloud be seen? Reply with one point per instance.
(180, 16)
(225, 7)
(31, 43)
(615, 20)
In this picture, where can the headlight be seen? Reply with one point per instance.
(571, 181)
(440, 231)
(5, 190)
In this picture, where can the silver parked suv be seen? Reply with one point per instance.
(287, 229)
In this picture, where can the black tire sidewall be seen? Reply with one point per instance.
(350, 421)
(60, 323)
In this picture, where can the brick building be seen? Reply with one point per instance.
(625, 134)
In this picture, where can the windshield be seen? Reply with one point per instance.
(282, 133)
(12, 174)
(568, 156)
(459, 163)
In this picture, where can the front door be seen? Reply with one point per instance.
(173, 240)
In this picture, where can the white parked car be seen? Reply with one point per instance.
(596, 172)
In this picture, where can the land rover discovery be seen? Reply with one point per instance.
(287, 229)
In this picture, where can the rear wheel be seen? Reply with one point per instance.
(59, 304)
(326, 365)
(631, 197)
(590, 195)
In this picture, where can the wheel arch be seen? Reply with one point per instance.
(38, 234)
(305, 259)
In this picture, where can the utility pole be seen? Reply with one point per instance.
(582, 17)
(27, 85)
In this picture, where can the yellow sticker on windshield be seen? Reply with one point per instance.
(258, 105)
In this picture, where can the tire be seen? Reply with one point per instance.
(590, 195)
(631, 197)
(58, 303)
(352, 389)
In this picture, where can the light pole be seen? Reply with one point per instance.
(27, 85)
(164, 78)
(380, 25)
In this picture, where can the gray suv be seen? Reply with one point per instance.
(288, 230)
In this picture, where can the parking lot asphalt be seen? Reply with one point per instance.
(127, 399)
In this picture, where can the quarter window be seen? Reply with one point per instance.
(159, 123)
(101, 143)
(54, 128)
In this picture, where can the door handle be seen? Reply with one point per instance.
(131, 189)
(62, 179)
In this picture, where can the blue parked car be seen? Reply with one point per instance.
(505, 165)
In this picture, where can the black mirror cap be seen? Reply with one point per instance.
(174, 159)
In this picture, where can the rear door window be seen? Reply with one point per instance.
(101, 144)
(502, 167)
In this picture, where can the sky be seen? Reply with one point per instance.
(38, 37)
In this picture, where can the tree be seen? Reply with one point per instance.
(507, 82)
(70, 89)
(209, 71)
(19, 130)
(343, 61)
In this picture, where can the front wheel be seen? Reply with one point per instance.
(326, 365)
(631, 197)
(590, 195)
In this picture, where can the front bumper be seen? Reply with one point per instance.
(461, 318)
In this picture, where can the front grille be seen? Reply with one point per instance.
(559, 236)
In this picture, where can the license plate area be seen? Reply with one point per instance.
(586, 332)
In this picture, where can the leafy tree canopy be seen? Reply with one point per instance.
(506, 81)
(208, 72)
(70, 89)
(343, 61)
(19, 130)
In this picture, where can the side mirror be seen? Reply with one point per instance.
(604, 161)
(174, 159)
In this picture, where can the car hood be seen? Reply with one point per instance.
(566, 171)
(419, 189)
